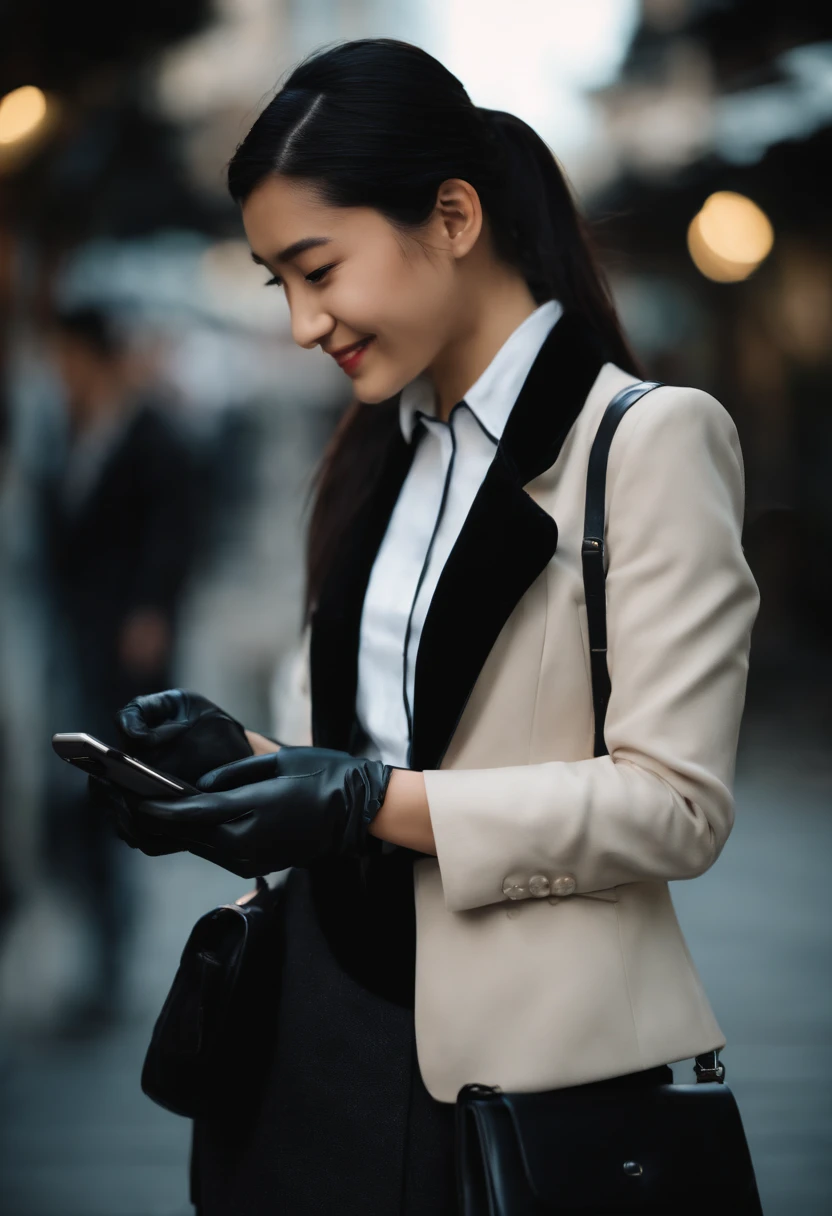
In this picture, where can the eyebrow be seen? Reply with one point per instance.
(294, 250)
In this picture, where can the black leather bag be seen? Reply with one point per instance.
(632, 1145)
(207, 1053)
(604, 1150)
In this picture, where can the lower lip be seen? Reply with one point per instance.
(350, 362)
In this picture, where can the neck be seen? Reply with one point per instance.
(463, 360)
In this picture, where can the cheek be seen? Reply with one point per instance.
(409, 307)
(400, 303)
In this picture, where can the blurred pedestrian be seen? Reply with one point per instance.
(120, 530)
(454, 786)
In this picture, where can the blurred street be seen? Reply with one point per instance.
(84, 1141)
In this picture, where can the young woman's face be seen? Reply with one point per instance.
(362, 282)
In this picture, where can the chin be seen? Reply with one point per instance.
(370, 395)
(373, 398)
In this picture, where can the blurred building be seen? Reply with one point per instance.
(737, 98)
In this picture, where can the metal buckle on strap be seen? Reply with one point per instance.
(711, 1070)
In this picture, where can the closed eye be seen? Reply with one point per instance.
(314, 276)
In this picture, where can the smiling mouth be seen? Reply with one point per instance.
(347, 355)
(350, 350)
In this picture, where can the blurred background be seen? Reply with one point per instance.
(152, 404)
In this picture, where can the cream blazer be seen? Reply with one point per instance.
(548, 949)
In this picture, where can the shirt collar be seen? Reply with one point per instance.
(491, 399)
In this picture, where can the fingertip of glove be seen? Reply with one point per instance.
(208, 781)
(126, 719)
(161, 816)
(238, 772)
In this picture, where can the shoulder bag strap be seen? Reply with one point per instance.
(592, 550)
(708, 1067)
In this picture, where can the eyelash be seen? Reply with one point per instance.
(276, 282)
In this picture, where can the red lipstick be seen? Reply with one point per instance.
(350, 357)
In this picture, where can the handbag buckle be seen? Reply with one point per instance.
(708, 1067)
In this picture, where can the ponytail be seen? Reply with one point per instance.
(540, 231)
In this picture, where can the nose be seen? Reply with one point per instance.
(310, 323)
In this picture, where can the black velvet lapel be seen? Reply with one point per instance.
(505, 543)
(336, 622)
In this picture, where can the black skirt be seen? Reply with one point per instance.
(346, 1126)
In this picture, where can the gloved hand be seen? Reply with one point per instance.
(121, 808)
(140, 831)
(290, 808)
(181, 733)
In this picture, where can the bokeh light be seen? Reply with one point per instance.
(21, 112)
(729, 237)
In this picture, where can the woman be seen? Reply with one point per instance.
(432, 247)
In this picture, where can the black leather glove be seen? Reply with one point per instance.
(121, 808)
(181, 733)
(290, 808)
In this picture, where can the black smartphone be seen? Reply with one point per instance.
(97, 759)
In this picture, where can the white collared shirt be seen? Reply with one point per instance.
(449, 464)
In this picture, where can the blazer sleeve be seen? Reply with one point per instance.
(681, 602)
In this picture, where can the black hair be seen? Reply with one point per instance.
(380, 123)
(92, 325)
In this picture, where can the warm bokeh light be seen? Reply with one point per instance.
(21, 111)
(729, 237)
(721, 270)
(735, 228)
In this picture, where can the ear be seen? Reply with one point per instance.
(458, 211)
